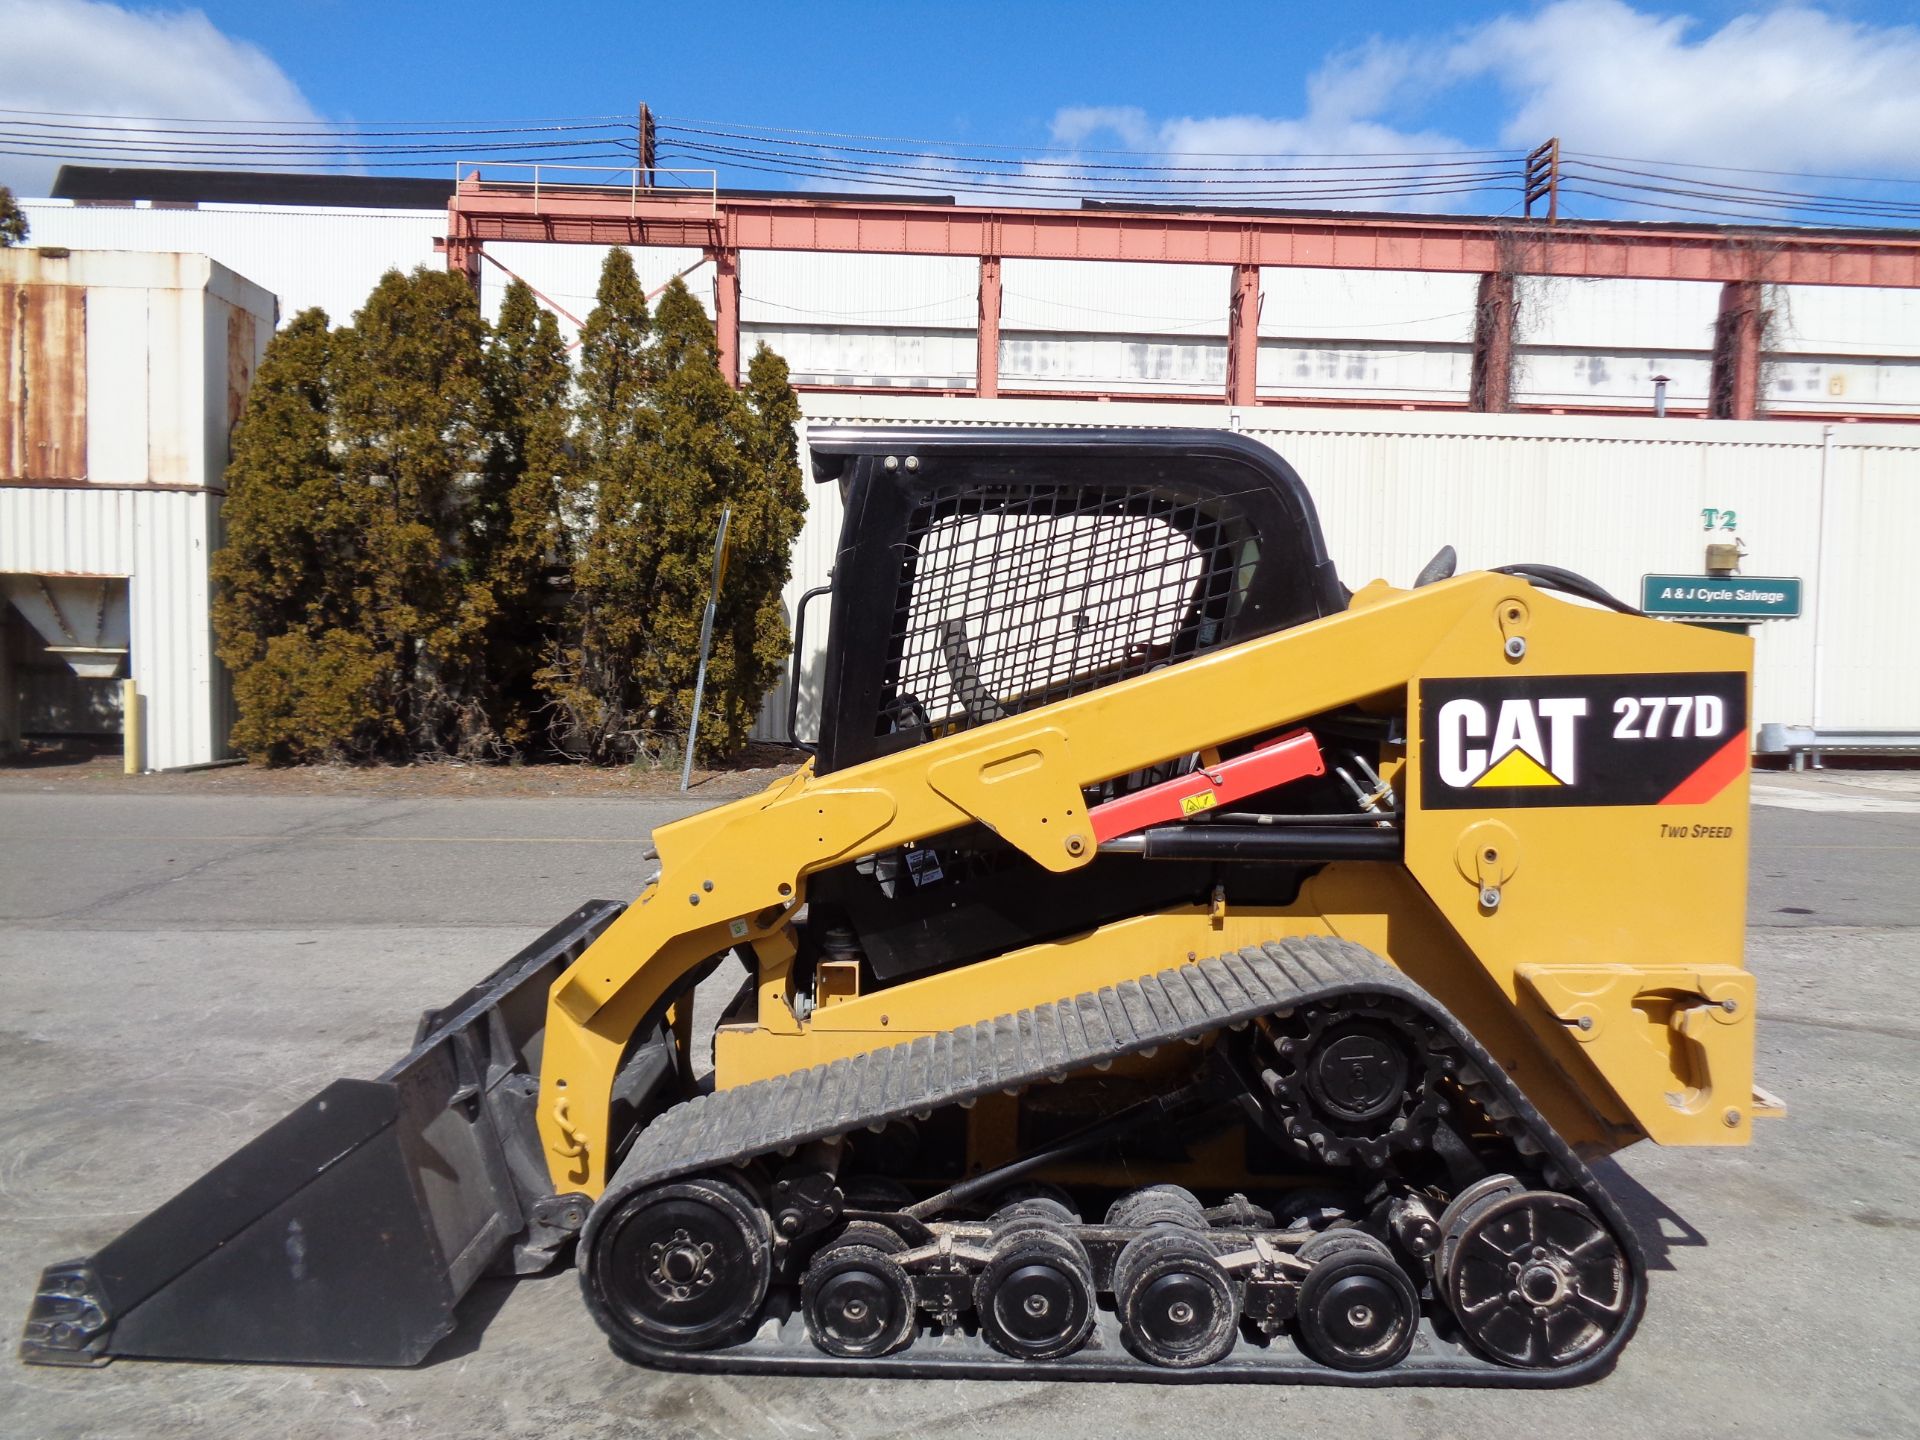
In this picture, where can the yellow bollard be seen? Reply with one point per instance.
(133, 751)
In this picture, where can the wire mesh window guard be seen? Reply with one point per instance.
(1016, 595)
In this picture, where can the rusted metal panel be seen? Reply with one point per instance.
(242, 347)
(43, 382)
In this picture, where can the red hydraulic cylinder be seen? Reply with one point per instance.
(1291, 757)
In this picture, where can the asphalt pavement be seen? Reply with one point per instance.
(176, 971)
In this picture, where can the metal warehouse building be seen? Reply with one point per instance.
(1435, 379)
(122, 375)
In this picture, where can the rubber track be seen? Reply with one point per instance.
(1005, 1053)
(1051, 1041)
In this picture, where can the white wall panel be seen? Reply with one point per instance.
(117, 398)
(1846, 384)
(1843, 320)
(1617, 314)
(1360, 371)
(1038, 361)
(321, 256)
(1377, 306)
(1571, 377)
(1115, 297)
(925, 359)
(795, 289)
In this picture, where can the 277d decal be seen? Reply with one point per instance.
(1581, 740)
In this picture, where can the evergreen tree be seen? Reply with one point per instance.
(615, 361)
(680, 448)
(589, 678)
(521, 533)
(13, 222)
(410, 414)
(404, 492)
(286, 611)
(769, 508)
(691, 466)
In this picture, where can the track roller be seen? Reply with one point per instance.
(857, 1301)
(1177, 1306)
(1358, 1310)
(1157, 1205)
(1537, 1281)
(684, 1265)
(1035, 1296)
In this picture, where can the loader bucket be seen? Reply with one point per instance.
(349, 1231)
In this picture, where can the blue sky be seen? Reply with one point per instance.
(1826, 87)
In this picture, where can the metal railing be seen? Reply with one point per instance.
(648, 183)
(1804, 742)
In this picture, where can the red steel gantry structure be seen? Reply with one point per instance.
(1742, 260)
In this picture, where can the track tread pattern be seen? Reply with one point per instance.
(1007, 1052)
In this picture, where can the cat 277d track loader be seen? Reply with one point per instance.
(1169, 964)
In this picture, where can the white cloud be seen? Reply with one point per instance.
(1791, 88)
(1345, 98)
(99, 59)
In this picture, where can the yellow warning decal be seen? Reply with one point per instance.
(1515, 768)
(1194, 804)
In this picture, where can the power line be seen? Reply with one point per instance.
(1018, 164)
(946, 177)
(770, 130)
(1735, 169)
(1042, 173)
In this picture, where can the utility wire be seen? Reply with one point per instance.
(922, 145)
(944, 178)
(1036, 173)
(1019, 164)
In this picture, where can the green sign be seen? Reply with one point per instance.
(1721, 597)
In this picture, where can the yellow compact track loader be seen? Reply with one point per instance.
(1169, 964)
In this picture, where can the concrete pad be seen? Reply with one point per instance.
(158, 1017)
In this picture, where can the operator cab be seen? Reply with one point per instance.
(982, 573)
(985, 572)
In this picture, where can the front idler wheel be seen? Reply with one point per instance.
(1358, 1311)
(1537, 1281)
(858, 1302)
(1177, 1306)
(683, 1266)
(1035, 1297)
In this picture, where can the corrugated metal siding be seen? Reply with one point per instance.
(1611, 498)
(161, 541)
